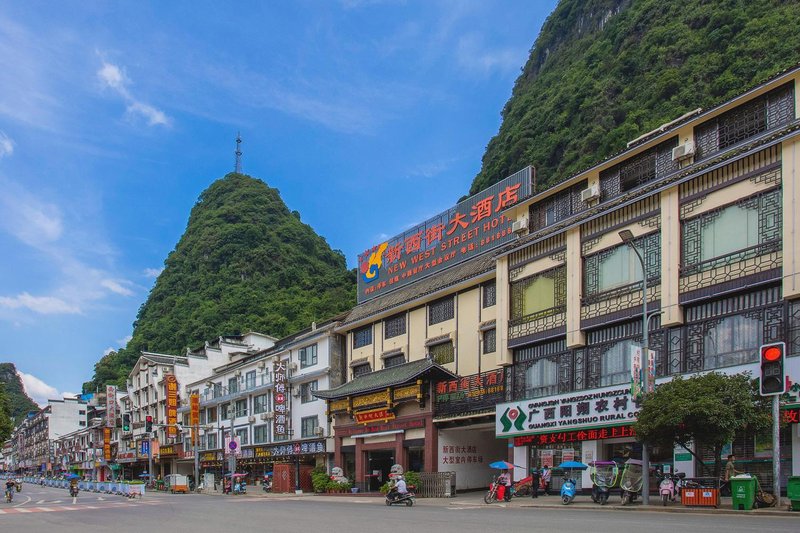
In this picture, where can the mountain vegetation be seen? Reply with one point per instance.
(13, 399)
(244, 263)
(603, 72)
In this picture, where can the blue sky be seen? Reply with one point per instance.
(369, 116)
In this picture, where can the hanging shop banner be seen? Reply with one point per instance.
(280, 425)
(107, 444)
(126, 457)
(373, 415)
(566, 437)
(608, 406)
(546, 457)
(111, 406)
(476, 225)
(194, 415)
(469, 394)
(172, 405)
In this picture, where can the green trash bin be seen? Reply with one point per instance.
(743, 493)
(793, 492)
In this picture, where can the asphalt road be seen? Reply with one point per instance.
(38, 509)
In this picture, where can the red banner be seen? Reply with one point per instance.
(373, 415)
(563, 437)
(107, 443)
(194, 415)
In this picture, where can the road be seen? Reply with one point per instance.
(39, 509)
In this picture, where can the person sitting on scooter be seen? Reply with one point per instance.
(400, 485)
(505, 479)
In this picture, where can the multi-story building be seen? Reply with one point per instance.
(542, 290)
(37, 433)
(266, 401)
(147, 395)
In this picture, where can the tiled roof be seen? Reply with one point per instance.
(165, 359)
(388, 377)
(466, 270)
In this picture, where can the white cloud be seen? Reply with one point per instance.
(45, 305)
(109, 350)
(125, 340)
(116, 287)
(39, 391)
(114, 78)
(153, 272)
(27, 217)
(473, 55)
(6, 145)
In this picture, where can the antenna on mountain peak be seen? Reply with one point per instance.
(238, 167)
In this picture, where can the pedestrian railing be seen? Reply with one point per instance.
(436, 485)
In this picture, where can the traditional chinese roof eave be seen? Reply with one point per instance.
(382, 379)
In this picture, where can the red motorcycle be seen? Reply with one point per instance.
(497, 492)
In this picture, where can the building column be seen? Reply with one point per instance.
(337, 453)
(670, 258)
(575, 336)
(790, 174)
(503, 299)
(431, 446)
(360, 480)
(398, 450)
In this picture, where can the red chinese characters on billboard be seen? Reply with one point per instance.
(194, 415)
(469, 393)
(475, 225)
(172, 405)
(564, 437)
(790, 416)
(107, 443)
(280, 424)
(373, 415)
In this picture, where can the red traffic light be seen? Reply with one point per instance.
(771, 353)
(148, 418)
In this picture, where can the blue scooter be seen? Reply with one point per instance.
(567, 490)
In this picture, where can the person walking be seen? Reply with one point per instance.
(730, 471)
(535, 482)
(546, 474)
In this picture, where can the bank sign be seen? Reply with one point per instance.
(602, 407)
(472, 227)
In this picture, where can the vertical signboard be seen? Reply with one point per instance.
(111, 406)
(107, 443)
(280, 423)
(637, 386)
(474, 226)
(172, 405)
(194, 415)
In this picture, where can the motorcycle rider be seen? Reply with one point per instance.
(505, 479)
(10, 484)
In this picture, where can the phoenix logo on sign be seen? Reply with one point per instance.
(513, 416)
(370, 269)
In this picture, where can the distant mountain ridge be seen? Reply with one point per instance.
(603, 72)
(19, 403)
(244, 263)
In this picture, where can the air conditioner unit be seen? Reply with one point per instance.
(238, 373)
(590, 193)
(269, 415)
(262, 365)
(319, 431)
(683, 151)
(519, 225)
(293, 367)
(251, 419)
(296, 392)
(265, 416)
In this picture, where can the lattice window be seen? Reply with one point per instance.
(362, 337)
(394, 326)
(442, 353)
(441, 310)
(542, 370)
(617, 270)
(360, 370)
(642, 168)
(772, 110)
(489, 294)
(394, 360)
(490, 341)
(720, 238)
(539, 296)
(793, 328)
(558, 207)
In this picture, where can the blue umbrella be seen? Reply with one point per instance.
(144, 475)
(72, 476)
(503, 465)
(568, 465)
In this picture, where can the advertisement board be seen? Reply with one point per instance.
(111, 406)
(469, 394)
(172, 405)
(280, 424)
(474, 226)
(194, 415)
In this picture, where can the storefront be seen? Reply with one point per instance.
(385, 418)
(585, 427)
(166, 455)
(464, 417)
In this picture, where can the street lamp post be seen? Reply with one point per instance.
(627, 237)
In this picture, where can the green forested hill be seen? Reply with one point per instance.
(603, 72)
(244, 263)
(12, 394)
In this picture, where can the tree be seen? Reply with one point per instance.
(708, 409)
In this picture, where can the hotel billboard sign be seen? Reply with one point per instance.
(475, 225)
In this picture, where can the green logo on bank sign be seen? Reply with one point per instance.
(513, 416)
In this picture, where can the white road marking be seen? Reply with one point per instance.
(23, 503)
(40, 502)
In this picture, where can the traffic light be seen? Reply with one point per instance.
(126, 422)
(773, 375)
(148, 424)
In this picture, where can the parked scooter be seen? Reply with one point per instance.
(491, 495)
(604, 475)
(669, 487)
(393, 497)
(630, 483)
(19, 485)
